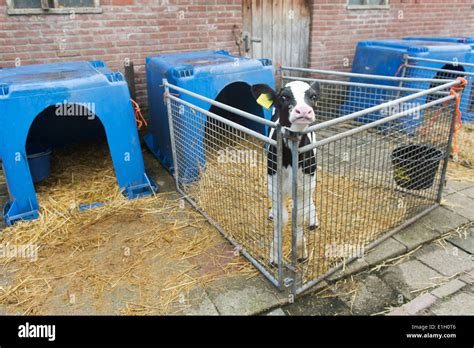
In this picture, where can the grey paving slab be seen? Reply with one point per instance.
(419, 303)
(448, 261)
(461, 303)
(465, 241)
(409, 276)
(416, 234)
(442, 220)
(355, 266)
(469, 192)
(201, 304)
(276, 312)
(314, 305)
(385, 250)
(241, 296)
(372, 295)
(468, 278)
(453, 186)
(448, 289)
(461, 204)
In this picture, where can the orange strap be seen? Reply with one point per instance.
(403, 65)
(138, 115)
(458, 122)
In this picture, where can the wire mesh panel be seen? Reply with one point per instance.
(373, 163)
(369, 181)
(415, 67)
(222, 169)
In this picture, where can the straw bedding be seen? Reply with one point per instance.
(147, 256)
(154, 255)
(463, 169)
(351, 210)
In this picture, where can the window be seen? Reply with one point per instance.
(367, 4)
(19, 7)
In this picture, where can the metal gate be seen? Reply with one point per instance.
(418, 67)
(375, 172)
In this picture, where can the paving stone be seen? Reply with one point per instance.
(276, 312)
(385, 250)
(461, 303)
(410, 275)
(442, 220)
(416, 234)
(356, 266)
(241, 296)
(317, 288)
(469, 192)
(419, 303)
(468, 278)
(461, 205)
(314, 305)
(465, 241)
(453, 186)
(201, 304)
(447, 261)
(448, 289)
(398, 311)
(372, 295)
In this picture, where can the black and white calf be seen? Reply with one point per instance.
(294, 109)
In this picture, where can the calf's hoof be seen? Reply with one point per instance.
(302, 259)
(313, 227)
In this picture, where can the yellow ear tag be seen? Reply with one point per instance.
(265, 101)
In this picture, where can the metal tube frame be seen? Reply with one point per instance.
(357, 75)
(360, 84)
(292, 139)
(236, 111)
(455, 63)
(379, 107)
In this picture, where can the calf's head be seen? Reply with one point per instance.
(294, 104)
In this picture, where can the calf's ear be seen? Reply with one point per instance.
(264, 95)
(316, 87)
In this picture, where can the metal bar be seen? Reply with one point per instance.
(446, 159)
(254, 262)
(457, 72)
(366, 76)
(294, 210)
(279, 218)
(441, 61)
(368, 85)
(236, 111)
(225, 121)
(373, 124)
(369, 247)
(172, 138)
(379, 107)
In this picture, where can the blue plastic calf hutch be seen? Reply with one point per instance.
(465, 68)
(30, 97)
(386, 57)
(214, 74)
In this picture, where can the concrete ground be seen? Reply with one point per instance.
(425, 269)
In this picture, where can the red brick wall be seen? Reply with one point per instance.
(135, 29)
(132, 29)
(335, 30)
